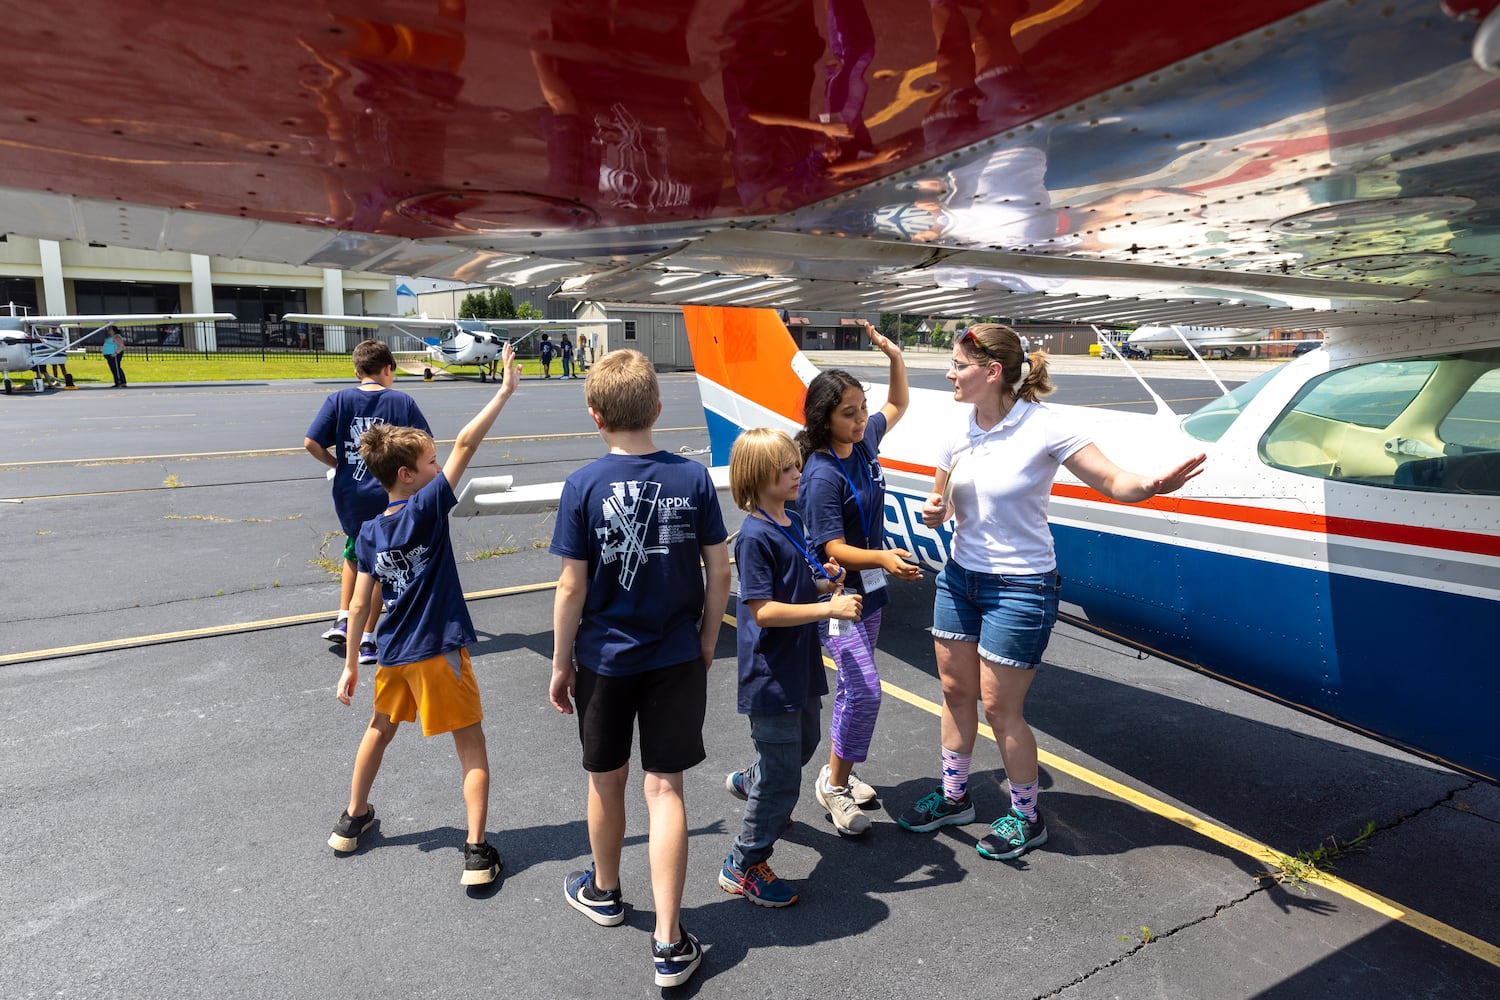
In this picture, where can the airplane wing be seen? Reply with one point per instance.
(100, 321)
(1327, 165)
(370, 322)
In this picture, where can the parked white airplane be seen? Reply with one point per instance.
(463, 342)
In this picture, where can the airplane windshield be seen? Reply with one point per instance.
(1210, 421)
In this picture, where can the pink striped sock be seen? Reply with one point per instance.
(955, 774)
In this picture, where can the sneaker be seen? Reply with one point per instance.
(481, 864)
(346, 831)
(937, 810)
(339, 633)
(734, 781)
(604, 908)
(864, 795)
(676, 963)
(758, 883)
(1011, 836)
(366, 653)
(847, 817)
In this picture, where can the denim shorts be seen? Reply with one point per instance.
(1010, 617)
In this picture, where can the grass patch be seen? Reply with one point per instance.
(333, 566)
(497, 551)
(92, 371)
(196, 517)
(1308, 865)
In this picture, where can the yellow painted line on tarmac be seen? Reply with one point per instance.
(1479, 948)
(213, 631)
(276, 452)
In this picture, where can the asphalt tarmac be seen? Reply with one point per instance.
(172, 759)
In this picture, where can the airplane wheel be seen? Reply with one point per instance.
(427, 374)
(482, 377)
(7, 387)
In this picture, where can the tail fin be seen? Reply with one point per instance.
(750, 372)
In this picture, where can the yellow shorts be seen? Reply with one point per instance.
(441, 689)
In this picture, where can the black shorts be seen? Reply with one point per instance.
(670, 703)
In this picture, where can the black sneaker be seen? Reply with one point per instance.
(605, 908)
(481, 864)
(676, 963)
(346, 831)
(937, 810)
(1011, 836)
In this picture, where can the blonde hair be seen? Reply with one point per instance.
(755, 462)
(621, 388)
(1025, 374)
(387, 449)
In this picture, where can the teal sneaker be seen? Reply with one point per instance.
(937, 810)
(1011, 836)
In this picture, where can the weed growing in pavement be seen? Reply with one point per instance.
(1307, 865)
(499, 550)
(172, 482)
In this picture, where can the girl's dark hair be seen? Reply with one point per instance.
(824, 394)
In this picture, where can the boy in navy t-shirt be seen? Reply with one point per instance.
(635, 623)
(781, 678)
(424, 661)
(333, 439)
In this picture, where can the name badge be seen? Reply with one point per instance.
(871, 580)
(836, 627)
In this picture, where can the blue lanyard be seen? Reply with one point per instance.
(396, 503)
(801, 547)
(864, 522)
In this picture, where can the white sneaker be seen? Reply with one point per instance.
(846, 814)
(863, 794)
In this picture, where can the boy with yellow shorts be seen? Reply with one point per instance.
(422, 656)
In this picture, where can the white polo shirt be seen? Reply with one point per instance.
(1001, 485)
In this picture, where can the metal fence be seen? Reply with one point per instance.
(260, 340)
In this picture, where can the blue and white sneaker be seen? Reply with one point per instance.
(605, 908)
(737, 785)
(676, 963)
(339, 633)
(757, 883)
(1011, 836)
(367, 654)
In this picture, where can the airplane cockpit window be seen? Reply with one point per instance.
(1210, 421)
(1429, 424)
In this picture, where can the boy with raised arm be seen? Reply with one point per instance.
(635, 623)
(422, 642)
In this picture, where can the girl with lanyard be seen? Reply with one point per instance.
(996, 598)
(781, 677)
(842, 501)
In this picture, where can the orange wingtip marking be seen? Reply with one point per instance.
(749, 352)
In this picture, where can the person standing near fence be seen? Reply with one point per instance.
(113, 349)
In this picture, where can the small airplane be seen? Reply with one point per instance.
(24, 346)
(1288, 164)
(463, 343)
(1198, 340)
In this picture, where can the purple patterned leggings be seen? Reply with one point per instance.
(857, 701)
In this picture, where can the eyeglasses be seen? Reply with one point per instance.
(958, 366)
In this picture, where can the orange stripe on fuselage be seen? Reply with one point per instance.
(749, 352)
(1322, 524)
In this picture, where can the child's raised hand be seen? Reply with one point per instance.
(835, 572)
(511, 365)
(845, 607)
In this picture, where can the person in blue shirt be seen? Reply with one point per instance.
(333, 439)
(781, 677)
(546, 350)
(842, 502)
(565, 346)
(423, 641)
(645, 578)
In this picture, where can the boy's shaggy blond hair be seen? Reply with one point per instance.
(756, 461)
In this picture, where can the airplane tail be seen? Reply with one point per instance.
(750, 372)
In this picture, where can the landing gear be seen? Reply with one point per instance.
(482, 376)
(427, 374)
(8, 387)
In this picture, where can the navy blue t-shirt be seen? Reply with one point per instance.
(411, 556)
(830, 509)
(780, 668)
(640, 522)
(345, 415)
